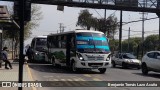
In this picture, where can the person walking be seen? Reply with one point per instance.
(5, 58)
(29, 53)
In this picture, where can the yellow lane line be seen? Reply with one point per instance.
(30, 75)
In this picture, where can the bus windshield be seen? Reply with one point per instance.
(41, 44)
(91, 43)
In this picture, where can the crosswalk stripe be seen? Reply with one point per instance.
(62, 79)
(55, 80)
(82, 79)
(69, 80)
(76, 79)
(96, 79)
(87, 75)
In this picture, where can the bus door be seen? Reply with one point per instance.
(70, 50)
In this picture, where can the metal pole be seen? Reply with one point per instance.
(159, 33)
(142, 33)
(128, 39)
(12, 43)
(105, 21)
(120, 33)
(21, 56)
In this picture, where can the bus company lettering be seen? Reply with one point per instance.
(26, 84)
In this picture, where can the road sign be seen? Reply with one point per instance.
(4, 12)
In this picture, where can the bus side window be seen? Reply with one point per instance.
(63, 42)
(55, 41)
(72, 41)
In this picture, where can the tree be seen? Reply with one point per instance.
(85, 19)
(113, 45)
(109, 25)
(36, 16)
(133, 45)
(151, 43)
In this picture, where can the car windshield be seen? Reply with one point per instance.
(92, 43)
(129, 56)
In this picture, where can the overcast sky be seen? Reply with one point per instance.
(52, 17)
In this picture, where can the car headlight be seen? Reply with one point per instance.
(128, 61)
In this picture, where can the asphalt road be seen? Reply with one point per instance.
(46, 72)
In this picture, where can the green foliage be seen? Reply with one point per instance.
(13, 33)
(86, 20)
(151, 43)
(36, 16)
(113, 45)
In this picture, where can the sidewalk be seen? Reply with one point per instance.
(12, 75)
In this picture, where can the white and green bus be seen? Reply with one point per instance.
(79, 49)
(38, 48)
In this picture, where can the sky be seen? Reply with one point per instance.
(52, 17)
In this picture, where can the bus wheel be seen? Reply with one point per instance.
(32, 59)
(102, 70)
(53, 62)
(74, 67)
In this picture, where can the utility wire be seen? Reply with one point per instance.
(98, 13)
(141, 31)
(124, 23)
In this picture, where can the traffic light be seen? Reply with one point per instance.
(27, 10)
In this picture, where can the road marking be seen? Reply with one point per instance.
(62, 80)
(96, 79)
(87, 75)
(76, 79)
(82, 79)
(47, 76)
(69, 80)
(30, 75)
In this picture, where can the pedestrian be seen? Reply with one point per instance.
(29, 53)
(4, 55)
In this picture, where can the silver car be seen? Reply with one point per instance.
(151, 62)
(125, 60)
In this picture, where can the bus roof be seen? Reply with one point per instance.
(77, 31)
(40, 37)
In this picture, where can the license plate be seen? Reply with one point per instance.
(94, 67)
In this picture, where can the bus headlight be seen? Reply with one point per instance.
(108, 58)
(80, 57)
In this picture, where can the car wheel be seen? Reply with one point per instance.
(144, 69)
(138, 67)
(113, 64)
(102, 70)
(124, 65)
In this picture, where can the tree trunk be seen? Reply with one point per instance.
(88, 27)
(16, 48)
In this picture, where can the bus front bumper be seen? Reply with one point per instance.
(92, 64)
